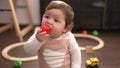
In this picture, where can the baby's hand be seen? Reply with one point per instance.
(42, 35)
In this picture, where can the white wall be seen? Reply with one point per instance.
(5, 17)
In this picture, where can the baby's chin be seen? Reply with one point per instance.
(54, 36)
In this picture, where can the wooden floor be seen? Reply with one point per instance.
(109, 55)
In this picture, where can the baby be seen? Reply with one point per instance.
(58, 49)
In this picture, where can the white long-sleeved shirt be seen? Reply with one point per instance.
(33, 45)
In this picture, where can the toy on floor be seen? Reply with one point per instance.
(92, 63)
(84, 32)
(17, 64)
(95, 33)
(46, 28)
(89, 49)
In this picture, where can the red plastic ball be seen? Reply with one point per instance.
(84, 32)
(46, 28)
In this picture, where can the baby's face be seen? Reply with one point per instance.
(56, 19)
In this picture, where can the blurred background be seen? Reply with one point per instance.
(89, 14)
(93, 14)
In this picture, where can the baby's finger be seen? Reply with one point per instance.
(47, 35)
(42, 33)
(39, 30)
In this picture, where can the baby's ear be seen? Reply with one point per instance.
(66, 29)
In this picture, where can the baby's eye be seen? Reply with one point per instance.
(56, 20)
(47, 17)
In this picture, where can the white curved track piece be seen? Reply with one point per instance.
(12, 58)
(99, 40)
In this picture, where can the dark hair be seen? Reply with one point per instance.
(67, 9)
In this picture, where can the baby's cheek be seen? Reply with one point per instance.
(57, 32)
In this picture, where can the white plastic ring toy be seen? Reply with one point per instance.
(12, 58)
(100, 41)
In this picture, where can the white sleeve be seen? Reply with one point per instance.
(75, 52)
(32, 45)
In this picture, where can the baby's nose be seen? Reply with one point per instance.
(49, 21)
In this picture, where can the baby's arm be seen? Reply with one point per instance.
(32, 45)
(75, 52)
(35, 41)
